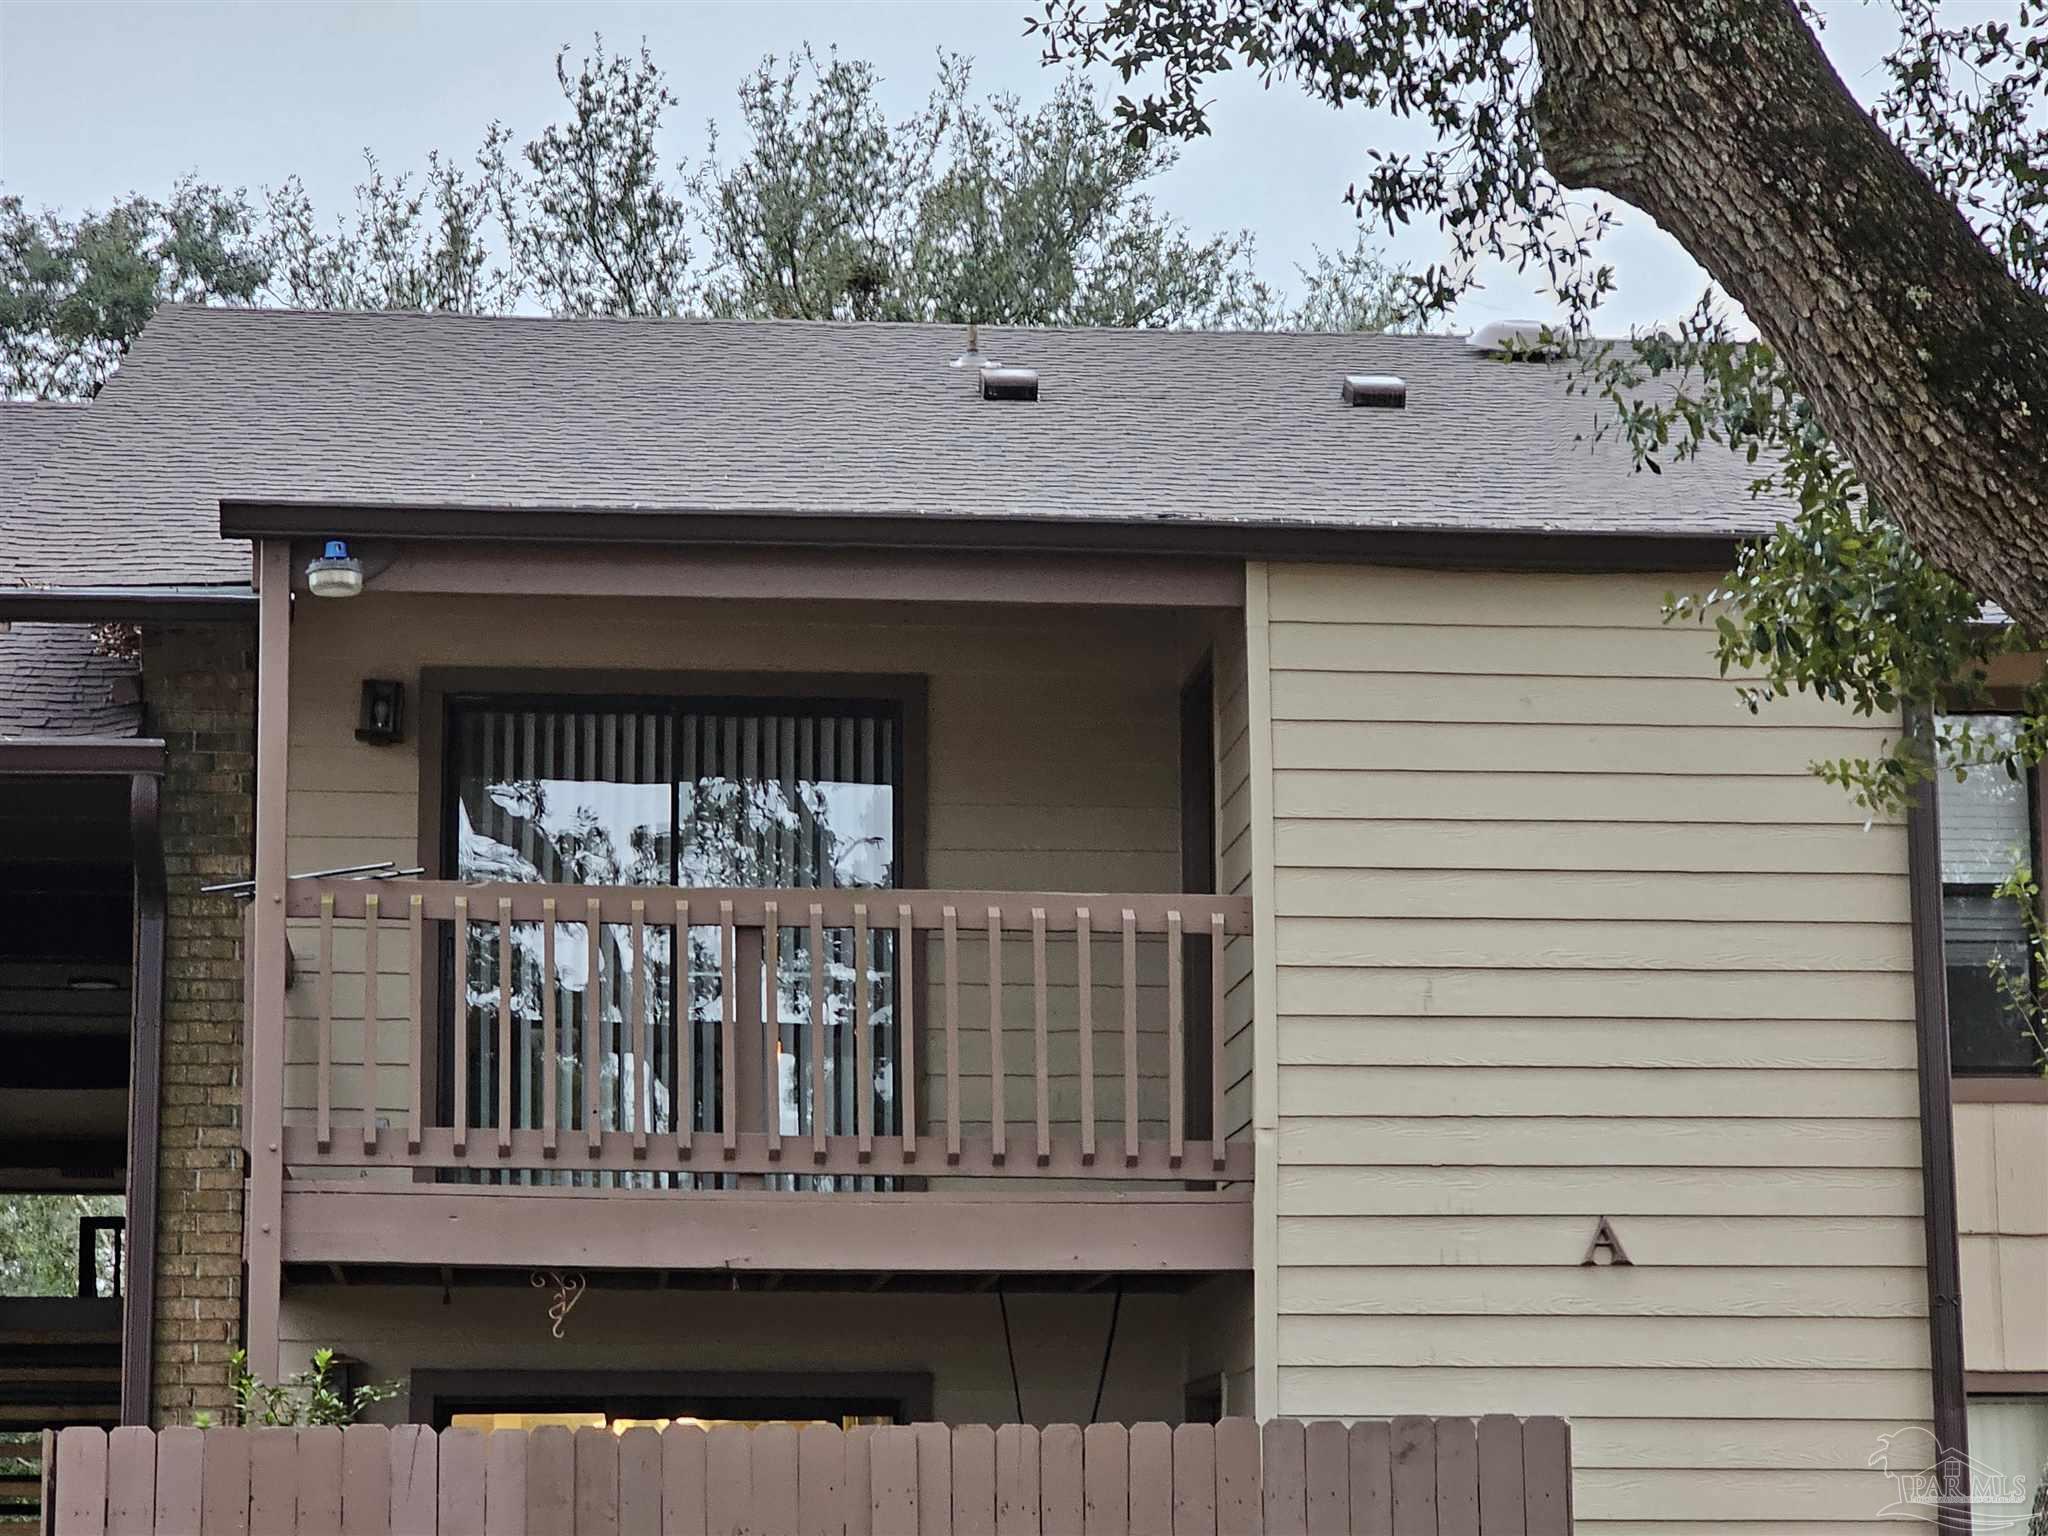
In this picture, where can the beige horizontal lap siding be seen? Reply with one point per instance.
(1052, 764)
(1562, 932)
(2002, 1214)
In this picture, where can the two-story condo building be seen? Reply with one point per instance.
(842, 872)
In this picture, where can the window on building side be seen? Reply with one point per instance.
(1987, 826)
(2009, 1455)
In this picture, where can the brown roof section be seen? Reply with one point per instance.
(52, 684)
(759, 418)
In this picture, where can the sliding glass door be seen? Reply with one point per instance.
(727, 792)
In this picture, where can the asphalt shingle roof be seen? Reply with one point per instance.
(52, 684)
(407, 409)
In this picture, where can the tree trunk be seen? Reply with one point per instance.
(1724, 121)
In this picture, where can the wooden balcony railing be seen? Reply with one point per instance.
(690, 1074)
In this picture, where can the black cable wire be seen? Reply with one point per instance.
(1010, 1348)
(1102, 1377)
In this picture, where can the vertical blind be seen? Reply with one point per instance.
(728, 793)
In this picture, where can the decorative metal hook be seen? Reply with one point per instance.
(568, 1290)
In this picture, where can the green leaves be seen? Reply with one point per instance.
(75, 293)
(308, 1397)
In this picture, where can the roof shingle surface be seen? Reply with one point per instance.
(733, 416)
(51, 683)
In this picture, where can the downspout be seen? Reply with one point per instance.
(1937, 1150)
(145, 1098)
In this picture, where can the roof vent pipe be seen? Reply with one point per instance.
(1385, 390)
(972, 357)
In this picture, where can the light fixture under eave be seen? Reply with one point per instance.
(334, 572)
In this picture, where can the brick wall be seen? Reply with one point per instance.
(199, 686)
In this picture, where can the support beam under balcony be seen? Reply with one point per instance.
(264, 1133)
(933, 1232)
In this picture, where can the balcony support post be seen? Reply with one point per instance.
(750, 1046)
(263, 1136)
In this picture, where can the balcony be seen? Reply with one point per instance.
(1002, 1081)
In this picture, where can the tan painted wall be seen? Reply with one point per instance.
(957, 1339)
(2002, 1214)
(1053, 765)
(1561, 933)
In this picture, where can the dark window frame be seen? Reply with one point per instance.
(443, 689)
(2037, 840)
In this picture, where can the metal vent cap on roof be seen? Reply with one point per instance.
(1385, 390)
(1516, 338)
(1004, 383)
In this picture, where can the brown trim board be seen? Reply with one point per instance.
(352, 1222)
(60, 757)
(1249, 538)
(1937, 1130)
(145, 1076)
(2000, 1383)
(155, 605)
(2000, 1090)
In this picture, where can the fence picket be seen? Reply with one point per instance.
(974, 1481)
(1285, 1482)
(821, 1480)
(462, 1496)
(857, 1491)
(1105, 1480)
(1151, 1480)
(892, 1486)
(224, 1483)
(180, 1454)
(597, 1478)
(1414, 1461)
(1372, 1478)
(640, 1482)
(683, 1474)
(774, 1480)
(1238, 1505)
(1061, 1491)
(505, 1484)
(1547, 1468)
(365, 1479)
(728, 1481)
(1457, 1478)
(1194, 1480)
(131, 1483)
(1501, 1511)
(318, 1478)
(934, 1479)
(415, 1481)
(82, 1482)
(1327, 1476)
(1017, 1486)
(550, 1481)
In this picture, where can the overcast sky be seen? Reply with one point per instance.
(99, 98)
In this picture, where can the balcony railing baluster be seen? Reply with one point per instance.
(640, 1065)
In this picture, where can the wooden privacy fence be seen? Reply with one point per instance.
(1496, 1476)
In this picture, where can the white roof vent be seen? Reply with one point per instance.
(1385, 390)
(1000, 383)
(1521, 338)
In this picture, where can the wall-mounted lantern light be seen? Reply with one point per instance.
(334, 572)
(382, 719)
